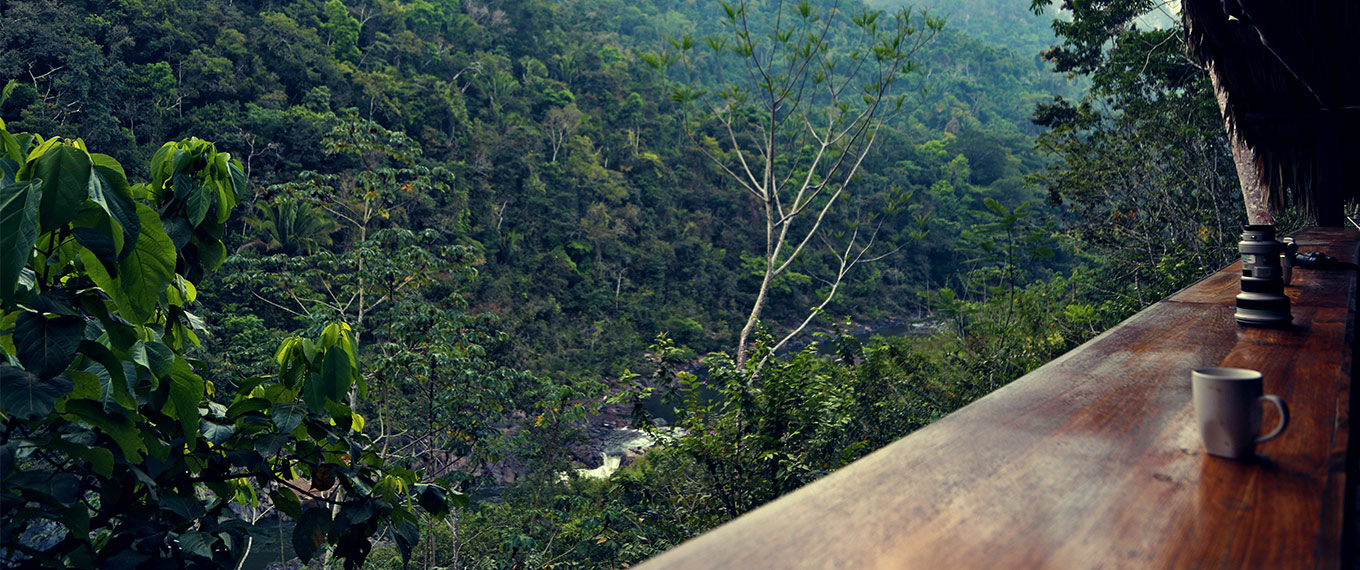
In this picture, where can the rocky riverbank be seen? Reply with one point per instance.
(610, 443)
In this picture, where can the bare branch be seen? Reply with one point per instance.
(281, 307)
(715, 160)
(821, 215)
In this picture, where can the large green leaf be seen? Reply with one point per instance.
(18, 230)
(121, 335)
(197, 204)
(198, 543)
(339, 366)
(287, 502)
(179, 231)
(186, 391)
(54, 302)
(332, 383)
(231, 187)
(65, 172)
(114, 423)
(314, 392)
(88, 385)
(160, 170)
(98, 232)
(137, 354)
(310, 533)
(160, 358)
(432, 498)
(269, 445)
(100, 244)
(110, 191)
(46, 346)
(179, 161)
(146, 271)
(407, 535)
(287, 416)
(238, 185)
(9, 170)
(61, 488)
(187, 508)
(113, 173)
(183, 185)
(99, 458)
(246, 406)
(108, 282)
(118, 384)
(211, 253)
(25, 396)
(216, 432)
(10, 148)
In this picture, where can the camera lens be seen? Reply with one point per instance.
(1262, 301)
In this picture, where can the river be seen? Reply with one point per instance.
(267, 549)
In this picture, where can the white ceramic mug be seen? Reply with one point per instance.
(1228, 411)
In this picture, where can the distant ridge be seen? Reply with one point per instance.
(1002, 23)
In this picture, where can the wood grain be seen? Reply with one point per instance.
(1094, 461)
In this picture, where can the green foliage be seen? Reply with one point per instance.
(741, 439)
(114, 447)
(996, 22)
(342, 31)
(291, 226)
(554, 132)
(438, 393)
(383, 265)
(1003, 246)
(797, 124)
(1143, 161)
(534, 146)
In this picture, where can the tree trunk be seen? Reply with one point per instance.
(1255, 194)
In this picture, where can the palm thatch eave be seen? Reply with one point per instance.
(1288, 75)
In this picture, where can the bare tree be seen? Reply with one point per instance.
(795, 115)
(560, 125)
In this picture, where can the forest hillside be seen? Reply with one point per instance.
(391, 274)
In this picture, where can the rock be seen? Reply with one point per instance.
(630, 456)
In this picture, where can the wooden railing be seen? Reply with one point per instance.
(1094, 460)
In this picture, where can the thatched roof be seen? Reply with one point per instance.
(1291, 73)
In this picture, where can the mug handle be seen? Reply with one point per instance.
(1284, 416)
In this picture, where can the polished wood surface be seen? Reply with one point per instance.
(1094, 460)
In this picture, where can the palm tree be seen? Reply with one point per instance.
(291, 226)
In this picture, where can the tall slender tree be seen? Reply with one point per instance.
(792, 118)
